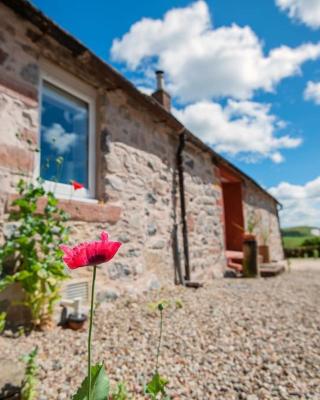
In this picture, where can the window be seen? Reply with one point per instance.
(66, 139)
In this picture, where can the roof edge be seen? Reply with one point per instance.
(218, 159)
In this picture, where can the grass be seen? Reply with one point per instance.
(292, 242)
(295, 236)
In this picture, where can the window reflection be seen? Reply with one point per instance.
(64, 136)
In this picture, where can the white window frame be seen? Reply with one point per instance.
(68, 83)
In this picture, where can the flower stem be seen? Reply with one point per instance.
(90, 331)
(160, 337)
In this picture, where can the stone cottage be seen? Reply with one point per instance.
(177, 206)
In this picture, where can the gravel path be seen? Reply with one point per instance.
(233, 339)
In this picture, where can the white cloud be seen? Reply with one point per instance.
(58, 138)
(202, 62)
(145, 90)
(312, 92)
(242, 128)
(306, 11)
(70, 117)
(301, 203)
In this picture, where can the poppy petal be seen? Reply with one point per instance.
(90, 253)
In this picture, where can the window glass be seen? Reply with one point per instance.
(64, 136)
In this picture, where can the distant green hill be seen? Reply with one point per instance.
(295, 236)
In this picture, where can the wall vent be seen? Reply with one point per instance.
(76, 289)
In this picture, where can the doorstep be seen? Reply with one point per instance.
(272, 268)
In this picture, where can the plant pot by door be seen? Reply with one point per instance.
(264, 252)
(250, 258)
(249, 236)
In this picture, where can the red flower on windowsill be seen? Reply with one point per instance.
(76, 185)
(90, 253)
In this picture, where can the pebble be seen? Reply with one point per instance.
(232, 339)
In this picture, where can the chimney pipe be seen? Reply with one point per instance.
(160, 94)
(160, 80)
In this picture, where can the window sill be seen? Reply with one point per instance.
(64, 198)
(86, 210)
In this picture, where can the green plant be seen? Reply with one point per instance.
(30, 381)
(31, 256)
(3, 316)
(98, 385)
(95, 386)
(157, 385)
(154, 307)
(314, 241)
(252, 222)
(265, 236)
(179, 304)
(120, 392)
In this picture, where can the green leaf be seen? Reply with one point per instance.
(52, 201)
(21, 276)
(99, 385)
(157, 385)
(24, 205)
(6, 281)
(120, 392)
(42, 274)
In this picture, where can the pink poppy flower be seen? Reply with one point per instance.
(90, 253)
(76, 185)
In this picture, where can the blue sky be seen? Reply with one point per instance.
(256, 114)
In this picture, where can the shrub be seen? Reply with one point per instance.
(31, 256)
(30, 381)
(315, 241)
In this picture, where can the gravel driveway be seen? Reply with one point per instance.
(233, 339)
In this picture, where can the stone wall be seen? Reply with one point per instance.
(260, 206)
(137, 174)
(203, 194)
(18, 103)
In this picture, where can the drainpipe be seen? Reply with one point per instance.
(178, 276)
(183, 205)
